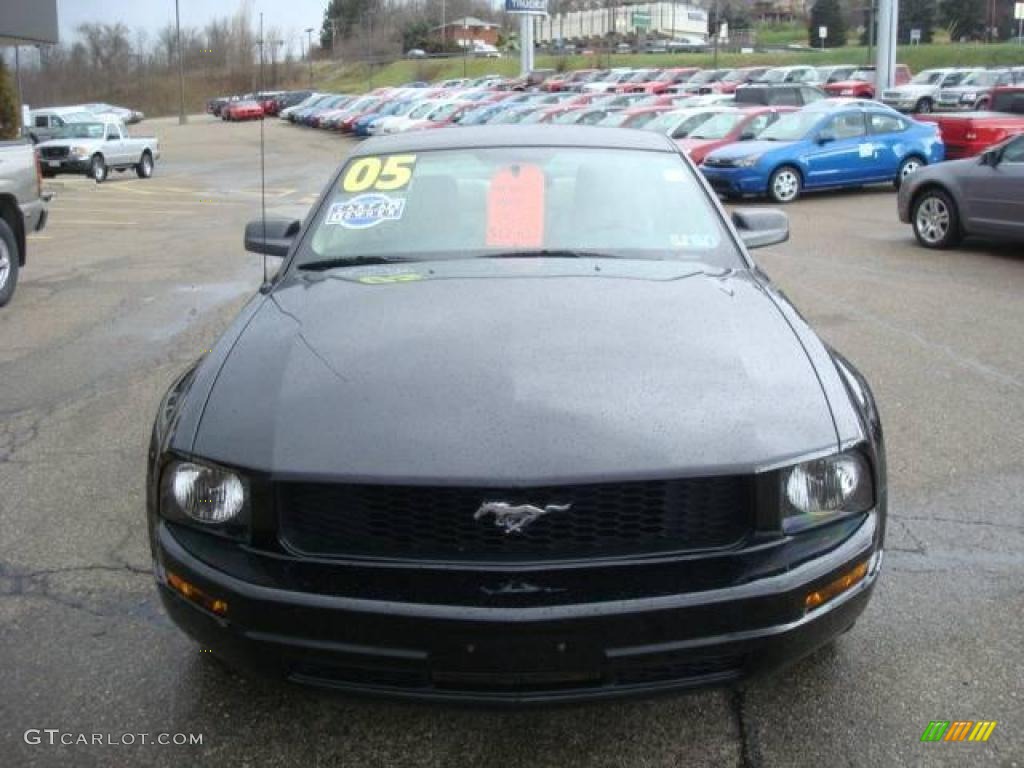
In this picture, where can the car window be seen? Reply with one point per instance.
(758, 124)
(788, 97)
(514, 199)
(811, 95)
(111, 132)
(1014, 151)
(849, 125)
(880, 122)
(42, 121)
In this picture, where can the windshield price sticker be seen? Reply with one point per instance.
(365, 211)
(515, 207)
(383, 174)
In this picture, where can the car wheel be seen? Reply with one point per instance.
(784, 184)
(145, 167)
(923, 107)
(98, 169)
(8, 263)
(910, 165)
(935, 219)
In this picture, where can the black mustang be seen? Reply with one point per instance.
(518, 419)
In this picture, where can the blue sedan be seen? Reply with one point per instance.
(825, 145)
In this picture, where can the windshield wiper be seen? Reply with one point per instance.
(552, 253)
(352, 261)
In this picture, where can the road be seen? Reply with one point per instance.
(133, 279)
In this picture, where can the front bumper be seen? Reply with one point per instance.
(35, 214)
(507, 654)
(735, 182)
(66, 165)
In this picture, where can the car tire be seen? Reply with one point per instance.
(911, 164)
(144, 169)
(784, 185)
(923, 106)
(935, 219)
(98, 170)
(9, 257)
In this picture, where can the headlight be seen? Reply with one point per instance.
(202, 493)
(748, 162)
(820, 491)
(79, 151)
(969, 97)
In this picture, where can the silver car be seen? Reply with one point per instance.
(981, 196)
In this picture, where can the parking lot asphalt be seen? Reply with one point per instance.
(132, 279)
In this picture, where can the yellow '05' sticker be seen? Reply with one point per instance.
(384, 174)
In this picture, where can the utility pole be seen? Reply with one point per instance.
(369, 51)
(21, 97)
(309, 54)
(182, 119)
(718, 26)
(885, 53)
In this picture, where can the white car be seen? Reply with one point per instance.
(435, 112)
(921, 93)
(609, 83)
(678, 123)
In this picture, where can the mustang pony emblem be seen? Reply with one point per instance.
(513, 519)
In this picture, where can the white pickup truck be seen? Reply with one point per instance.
(96, 148)
(22, 210)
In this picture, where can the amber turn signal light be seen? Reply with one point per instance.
(194, 594)
(836, 587)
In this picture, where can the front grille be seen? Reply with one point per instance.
(720, 162)
(414, 522)
(53, 153)
(891, 95)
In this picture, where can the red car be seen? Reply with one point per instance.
(970, 133)
(728, 126)
(634, 117)
(661, 82)
(243, 110)
(861, 84)
(736, 78)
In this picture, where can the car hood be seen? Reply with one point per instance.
(519, 371)
(910, 90)
(841, 84)
(747, 148)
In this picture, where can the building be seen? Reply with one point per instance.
(664, 19)
(466, 31)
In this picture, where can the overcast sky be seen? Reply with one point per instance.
(290, 16)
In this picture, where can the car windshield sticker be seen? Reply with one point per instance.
(691, 242)
(365, 211)
(866, 150)
(515, 207)
(382, 174)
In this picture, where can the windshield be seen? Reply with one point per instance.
(81, 131)
(718, 127)
(927, 77)
(422, 110)
(467, 203)
(864, 75)
(443, 111)
(677, 123)
(774, 76)
(791, 127)
(980, 78)
(569, 117)
(614, 119)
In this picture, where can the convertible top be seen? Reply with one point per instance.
(517, 136)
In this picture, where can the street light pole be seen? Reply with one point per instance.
(309, 54)
(717, 27)
(181, 67)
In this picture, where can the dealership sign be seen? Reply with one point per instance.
(535, 7)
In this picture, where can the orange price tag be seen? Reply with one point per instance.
(515, 207)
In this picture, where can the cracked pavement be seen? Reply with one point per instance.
(131, 280)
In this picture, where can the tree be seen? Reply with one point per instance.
(827, 13)
(916, 14)
(342, 17)
(963, 18)
(10, 122)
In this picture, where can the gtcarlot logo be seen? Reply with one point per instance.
(55, 736)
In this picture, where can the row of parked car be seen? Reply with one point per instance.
(771, 133)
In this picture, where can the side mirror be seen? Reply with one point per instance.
(747, 136)
(991, 157)
(759, 227)
(279, 236)
(825, 137)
